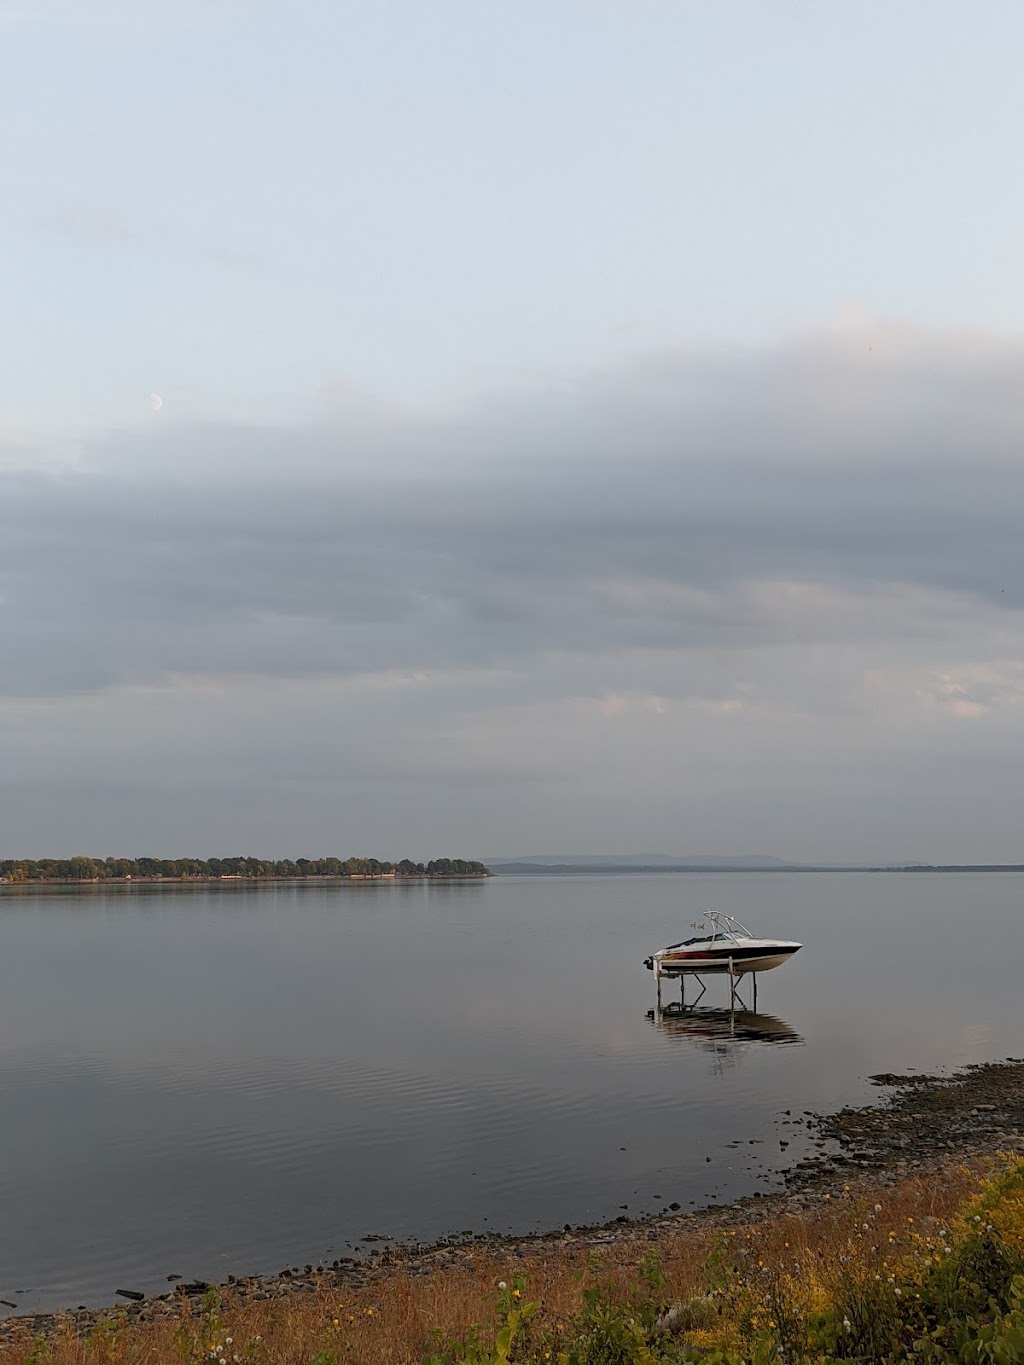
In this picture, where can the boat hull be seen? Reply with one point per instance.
(738, 967)
(760, 958)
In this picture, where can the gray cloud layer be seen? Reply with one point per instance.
(826, 529)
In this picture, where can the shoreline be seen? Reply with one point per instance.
(920, 1127)
(236, 879)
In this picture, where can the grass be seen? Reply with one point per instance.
(930, 1269)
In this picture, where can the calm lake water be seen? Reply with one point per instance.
(226, 1079)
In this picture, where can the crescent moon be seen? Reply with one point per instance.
(155, 402)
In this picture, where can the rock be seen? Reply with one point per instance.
(672, 1320)
(134, 1294)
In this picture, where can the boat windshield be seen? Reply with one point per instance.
(713, 936)
(717, 928)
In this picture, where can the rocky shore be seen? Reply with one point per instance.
(922, 1125)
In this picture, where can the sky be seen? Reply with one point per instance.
(482, 429)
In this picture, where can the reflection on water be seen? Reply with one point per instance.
(696, 1025)
(724, 1035)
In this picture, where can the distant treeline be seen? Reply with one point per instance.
(83, 869)
(954, 867)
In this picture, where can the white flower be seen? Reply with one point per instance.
(878, 1208)
(228, 1341)
(899, 1293)
(502, 1284)
(848, 1325)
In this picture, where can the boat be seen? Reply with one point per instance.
(721, 944)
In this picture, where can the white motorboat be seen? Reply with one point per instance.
(721, 944)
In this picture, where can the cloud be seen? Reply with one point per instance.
(805, 554)
(685, 504)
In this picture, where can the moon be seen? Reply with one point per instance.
(155, 402)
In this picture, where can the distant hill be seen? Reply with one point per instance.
(639, 862)
(549, 863)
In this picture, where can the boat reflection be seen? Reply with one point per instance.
(712, 1027)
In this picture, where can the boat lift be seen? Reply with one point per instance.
(735, 999)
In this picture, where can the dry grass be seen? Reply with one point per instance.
(391, 1321)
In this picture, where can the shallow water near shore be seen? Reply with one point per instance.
(224, 1079)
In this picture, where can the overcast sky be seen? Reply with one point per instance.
(482, 428)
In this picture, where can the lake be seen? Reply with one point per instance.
(230, 1079)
